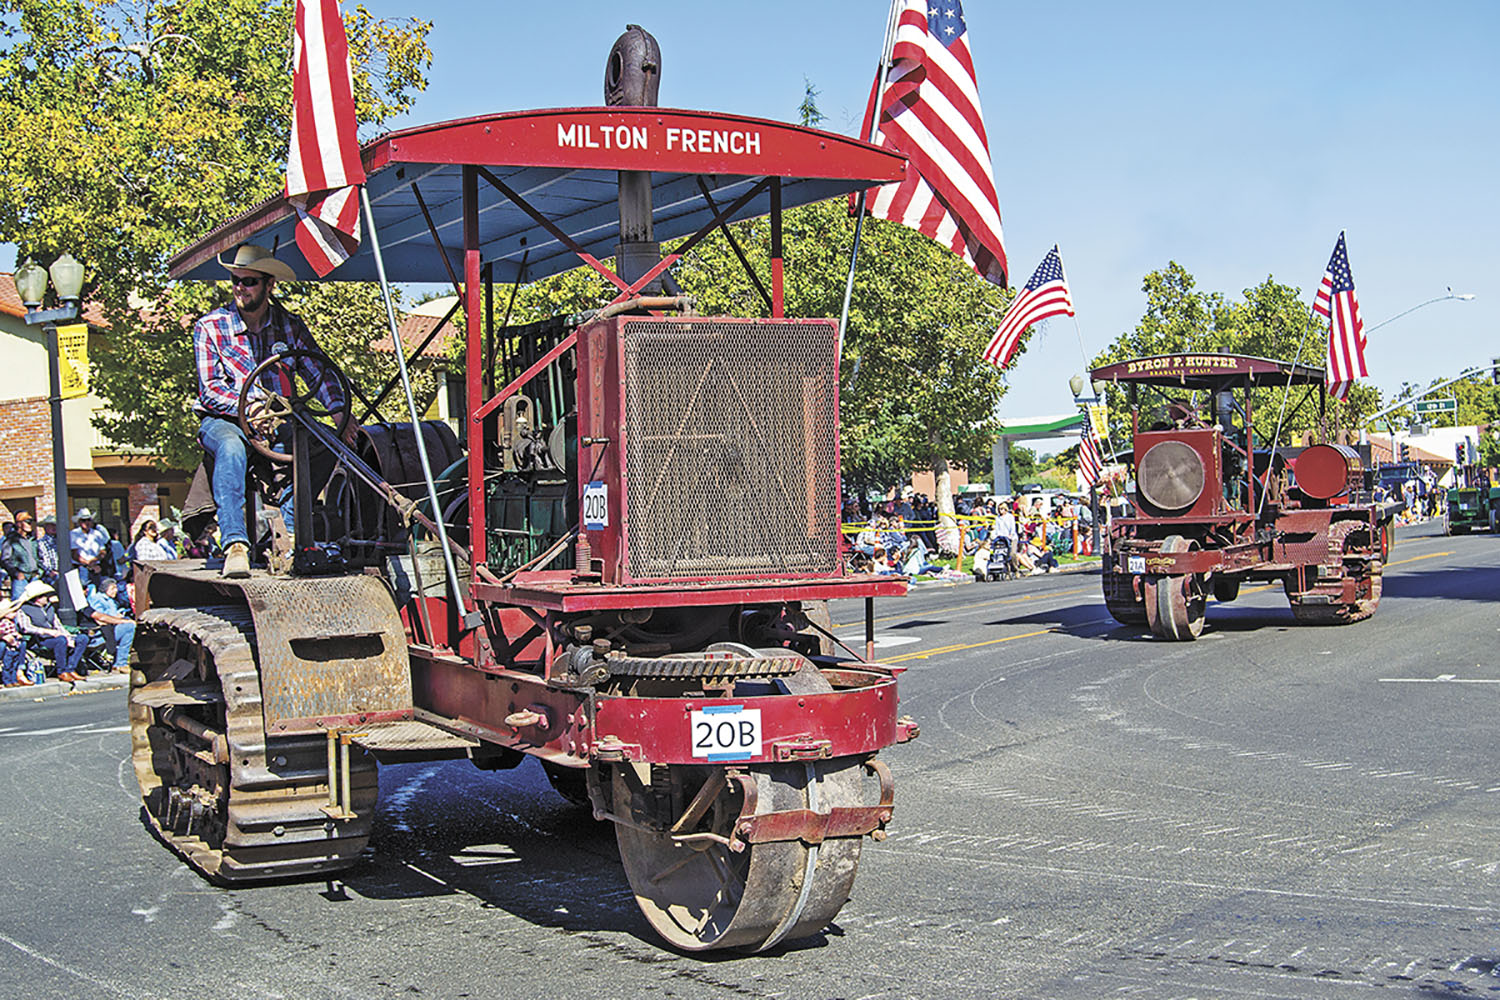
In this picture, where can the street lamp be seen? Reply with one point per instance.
(1075, 385)
(31, 284)
(1460, 296)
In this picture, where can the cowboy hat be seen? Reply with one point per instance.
(49, 519)
(7, 606)
(35, 589)
(250, 257)
(84, 514)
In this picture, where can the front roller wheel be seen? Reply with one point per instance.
(1175, 606)
(699, 894)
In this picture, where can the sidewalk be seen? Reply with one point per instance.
(1086, 565)
(54, 688)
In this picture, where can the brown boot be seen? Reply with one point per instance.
(236, 562)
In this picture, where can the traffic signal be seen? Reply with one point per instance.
(1405, 452)
(1460, 452)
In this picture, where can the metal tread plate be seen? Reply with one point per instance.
(409, 735)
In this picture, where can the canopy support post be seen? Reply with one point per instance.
(416, 418)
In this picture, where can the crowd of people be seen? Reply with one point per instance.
(34, 643)
(1002, 536)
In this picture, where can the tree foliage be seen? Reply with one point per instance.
(1271, 321)
(136, 127)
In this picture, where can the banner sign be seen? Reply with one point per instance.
(73, 360)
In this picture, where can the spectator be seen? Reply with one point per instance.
(894, 537)
(38, 620)
(1033, 558)
(119, 630)
(118, 561)
(12, 648)
(982, 561)
(20, 555)
(149, 546)
(89, 543)
(47, 550)
(1004, 525)
(880, 564)
(168, 540)
(869, 538)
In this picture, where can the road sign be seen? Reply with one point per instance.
(1449, 405)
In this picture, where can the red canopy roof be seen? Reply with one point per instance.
(563, 162)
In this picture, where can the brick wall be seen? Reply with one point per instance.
(143, 506)
(26, 452)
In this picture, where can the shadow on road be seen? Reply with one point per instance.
(1454, 583)
(506, 839)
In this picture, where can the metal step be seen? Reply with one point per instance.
(408, 735)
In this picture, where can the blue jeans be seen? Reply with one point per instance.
(222, 438)
(124, 637)
(12, 659)
(67, 660)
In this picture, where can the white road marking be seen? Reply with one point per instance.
(48, 732)
(76, 973)
(1439, 679)
(884, 640)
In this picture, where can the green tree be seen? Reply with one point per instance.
(1271, 321)
(1023, 464)
(134, 129)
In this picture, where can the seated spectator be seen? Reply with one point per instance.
(119, 629)
(12, 648)
(168, 539)
(866, 541)
(917, 563)
(148, 545)
(894, 538)
(880, 564)
(1033, 558)
(38, 621)
(982, 562)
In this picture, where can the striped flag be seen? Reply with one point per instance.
(930, 111)
(1046, 294)
(1337, 303)
(323, 164)
(1090, 464)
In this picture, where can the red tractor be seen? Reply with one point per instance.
(618, 565)
(1212, 512)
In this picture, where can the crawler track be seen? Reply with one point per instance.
(237, 806)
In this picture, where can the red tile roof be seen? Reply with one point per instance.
(414, 329)
(10, 303)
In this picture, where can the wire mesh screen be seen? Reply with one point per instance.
(731, 445)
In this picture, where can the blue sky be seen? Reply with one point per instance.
(1236, 139)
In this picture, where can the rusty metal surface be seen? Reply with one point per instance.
(330, 646)
(327, 647)
(410, 735)
(256, 815)
(731, 448)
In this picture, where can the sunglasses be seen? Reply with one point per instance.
(245, 282)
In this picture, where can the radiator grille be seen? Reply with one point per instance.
(731, 444)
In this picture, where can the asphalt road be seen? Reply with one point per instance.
(1272, 811)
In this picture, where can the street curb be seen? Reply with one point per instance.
(1092, 565)
(55, 688)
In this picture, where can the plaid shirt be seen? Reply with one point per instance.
(46, 550)
(9, 634)
(227, 353)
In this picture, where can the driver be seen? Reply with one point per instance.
(228, 344)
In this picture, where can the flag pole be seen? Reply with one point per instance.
(411, 408)
(1285, 395)
(859, 208)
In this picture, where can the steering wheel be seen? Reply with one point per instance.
(260, 427)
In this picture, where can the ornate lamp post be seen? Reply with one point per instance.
(1075, 385)
(67, 281)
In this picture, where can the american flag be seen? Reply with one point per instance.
(323, 164)
(930, 111)
(1090, 464)
(1336, 303)
(1046, 294)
